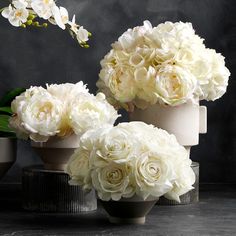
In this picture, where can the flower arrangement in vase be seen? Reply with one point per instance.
(8, 140)
(55, 117)
(159, 74)
(130, 166)
(24, 13)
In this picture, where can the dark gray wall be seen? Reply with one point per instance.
(37, 56)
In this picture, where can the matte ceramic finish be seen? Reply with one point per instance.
(128, 210)
(7, 154)
(56, 152)
(185, 121)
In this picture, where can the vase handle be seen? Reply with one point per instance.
(202, 120)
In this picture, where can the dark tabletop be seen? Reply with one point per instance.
(215, 214)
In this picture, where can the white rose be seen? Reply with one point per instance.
(184, 181)
(15, 16)
(175, 85)
(79, 169)
(41, 116)
(113, 181)
(89, 112)
(114, 145)
(120, 83)
(154, 175)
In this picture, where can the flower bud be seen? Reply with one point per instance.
(36, 24)
(29, 22)
(23, 26)
(45, 25)
(31, 17)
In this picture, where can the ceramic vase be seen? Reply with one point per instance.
(8, 147)
(129, 210)
(56, 152)
(185, 121)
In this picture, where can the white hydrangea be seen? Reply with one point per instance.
(165, 64)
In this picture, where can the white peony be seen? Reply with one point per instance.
(141, 67)
(174, 85)
(16, 16)
(60, 110)
(89, 112)
(67, 90)
(41, 116)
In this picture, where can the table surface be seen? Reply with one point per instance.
(215, 214)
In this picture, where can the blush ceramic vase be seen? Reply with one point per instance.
(129, 210)
(56, 152)
(8, 147)
(185, 121)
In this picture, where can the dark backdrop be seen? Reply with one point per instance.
(36, 56)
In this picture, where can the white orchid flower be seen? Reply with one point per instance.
(73, 25)
(61, 16)
(82, 35)
(15, 16)
(43, 8)
(20, 4)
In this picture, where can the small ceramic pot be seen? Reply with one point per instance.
(185, 121)
(8, 147)
(56, 152)
(129, 210)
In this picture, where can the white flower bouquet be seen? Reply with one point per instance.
(25, 12)
(59, 110)
(168, 64)
(131, 159)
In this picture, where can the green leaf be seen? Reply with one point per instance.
(10, 96)
(4, 121)
(6, 110)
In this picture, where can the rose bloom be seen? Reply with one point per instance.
(132, 158)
